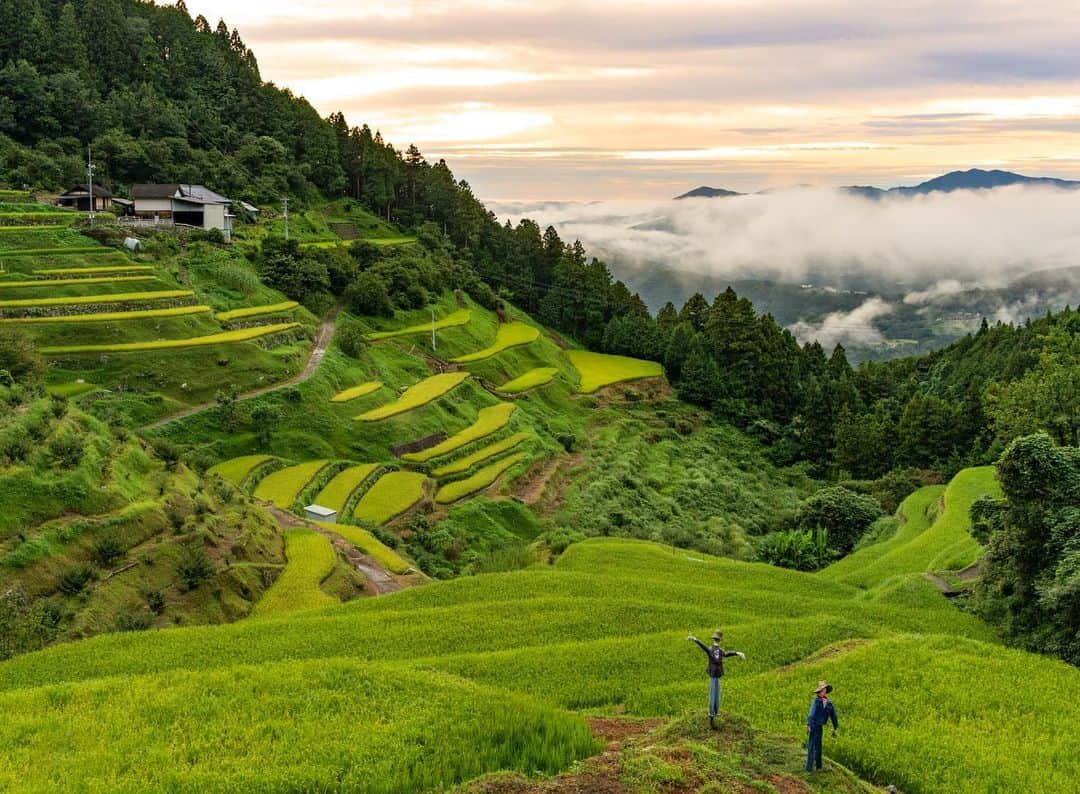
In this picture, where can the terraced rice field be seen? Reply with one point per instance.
(509, 335)
(56, 282)
(337, 492)
(485, 477)
(390, 496)
(66, 271)
(311, 559)
(356, 392)
(598, 370)
(69, 251)
(76, 300)
(417, 395)
(490, 451)
(370, 545)
(236, 470)
(225, 338)
(256, 311)
(453, 320)
(532, 379)
(488, 421)
(282, 488)
(138, 314)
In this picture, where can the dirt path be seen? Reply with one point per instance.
(535, 481)
(315, 357)
(381, 580)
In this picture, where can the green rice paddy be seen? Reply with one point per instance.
(225, 338)
(490, 451)
(283, 487)
(598, 370)
(337, 492)
(390, 496)
(311, 559)
(236, 470)
(460, 317)
(417, 395)
(509, 335)
(459, 489)
(356, 391)
(488, 421)
(256, 311)
(529, 380)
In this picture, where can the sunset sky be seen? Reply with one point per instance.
(597, 99)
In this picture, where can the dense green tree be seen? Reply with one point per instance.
(843, 513)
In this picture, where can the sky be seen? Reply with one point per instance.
(603, 99)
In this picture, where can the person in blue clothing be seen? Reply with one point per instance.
(821, 711)
(715, 670)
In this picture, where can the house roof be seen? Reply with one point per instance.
(194, 194)
(82, 190)
(250, 207)
(319, 510)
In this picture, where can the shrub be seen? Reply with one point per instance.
(134, 621)
(350, 338)
(803, 551)
(155, 601)
(66, 449)
(367, 295)
(843, 512)
(73, 580)
(193, 565)
(108, 548)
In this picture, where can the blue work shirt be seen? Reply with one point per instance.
(821, 711)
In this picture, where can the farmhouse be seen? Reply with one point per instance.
(320, 513)
(79, 198)
(183, 205)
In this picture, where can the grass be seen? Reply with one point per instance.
(509, 335)
(236, 470)
(529, 380)
(283, 487)
(54, 282)
(458, 318)
(225, 338)
(488, 421)
(926, 696)
(337, 492)
(373, 240)
(926, 541)
(490, 451)
(598, 370)
(70, 251)
(256, 311)
(417, 395)
(390, 496)
(73, 389)
(141, 314)
(311, 558)
(356, 391)
(63, 271)
(459, 489)
(75, 300)
(371, 546)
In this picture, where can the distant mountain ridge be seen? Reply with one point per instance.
(972, 179)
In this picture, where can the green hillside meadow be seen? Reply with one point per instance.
(500, 668)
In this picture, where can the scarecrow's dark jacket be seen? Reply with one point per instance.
(820, 713)
(716, 659)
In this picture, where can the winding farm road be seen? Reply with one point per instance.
(315, 357)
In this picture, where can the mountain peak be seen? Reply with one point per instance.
(708, 192)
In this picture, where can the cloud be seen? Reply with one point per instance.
(852, 328)
(823, 236)
(941, 289)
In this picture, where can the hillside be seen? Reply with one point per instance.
(601, 632)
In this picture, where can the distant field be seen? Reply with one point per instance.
(256, 311)
(119, 297)
(283, 487)
(54, 282)
(490, 451)
(483, 478)
(529, 380)
(356, 392)
(488, 421)
(101, 317)
(510, 335)
(311, 559)
(417, 395)
(237, 469)
(457, 318)
(337, 492)
(225, 338)
(391, 495)
(64, 271)
(598, 370)
(371, 240)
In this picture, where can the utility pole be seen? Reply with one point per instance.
(432, 329)
(90, 180)
(285, 204)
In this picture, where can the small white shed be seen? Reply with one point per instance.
(320, 513)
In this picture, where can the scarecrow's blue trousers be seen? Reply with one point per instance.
(714, 696)
(813, 749)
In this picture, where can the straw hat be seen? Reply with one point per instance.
(822, 685)
(717, 635)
